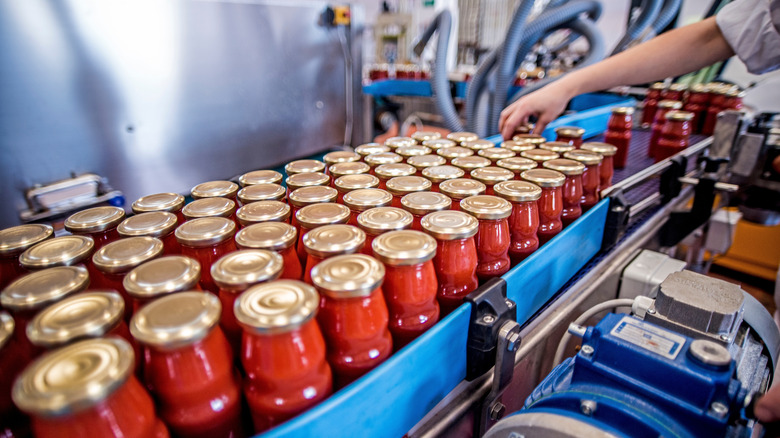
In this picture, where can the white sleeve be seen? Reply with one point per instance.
(752, 29)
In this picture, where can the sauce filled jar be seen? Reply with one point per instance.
(524, 128)
(517, 146)
(167, 202)
(260, 177)
(591, 177)
(490, 176)
(380, 220)
(274, 236)
(572, 187)
(422, 136)
(353, 315)
(495, 154)
(401, 186)
(438, 144)
(341, 169)
(462, 137)
(210, 207)
(59, 251)
(412, 151)
(308, 196)
(479, 145)
(160, 277)
(456, 257)
(664, 107)
(367, 149)
(304, 166)
(207, 240)
(422, 162)
(675, 135)
(517, 165)
(13, 242)
(461, 188)
(675, 91)
(492, 239)
(534, 139)
(399, 142)
(468, 164)
(87, 388)
(261, 192)
(347, 183)
(332, 158)
(158, 224)
(454, 152)
(438, 174)
(733, 99)
(619, 133)
(539, 156)
(378, 159)
(550, 201)
(215, 189)
(607, 170)
(329, 241)
(98, 223)
(263, 211)
(282, 351)
(314, 216)
(188, 365)
(421, 203)
(570, 134)
(386, 172)
(650, 104)
(12, 362)
(410, 285)
(558, 147)
(697, 103)
(306, 179)
(361, 200)
(524, 220)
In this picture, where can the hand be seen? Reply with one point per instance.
(546, 104)
(768, 406)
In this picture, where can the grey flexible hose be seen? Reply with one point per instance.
(475, 88)
(667, 14)
(648, 14)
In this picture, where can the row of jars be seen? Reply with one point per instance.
(377, 72)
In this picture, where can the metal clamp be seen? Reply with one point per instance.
(508, 343)
(617, 219)
(490, 309)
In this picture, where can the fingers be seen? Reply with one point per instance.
(541, 122)
(511, 117)
(768, 407)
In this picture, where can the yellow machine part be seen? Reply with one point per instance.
(755, 251)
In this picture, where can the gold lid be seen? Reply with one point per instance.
(59, 251)
(397, 142)
(162, 276)
(348, 183)
(41, 288)
(486, 207)
(125, 254)
(677, 86)
(330, 240)
(315, 215)
(348, 276)
(460, 188)
(214, 189)
(670, 104)
(94, 219)
(462, 137)
(241, 269)
(423, 136)
(558, 147)
(374, 160)
(304, 166)
(363, 199)
(570, 131)
(565, 166)
(455, 152)
(492, 174)
(734, 92)
(495, 154)
(517, 164)
(367, 149)
(277, 306)
(437, 174)
(176, 320)
(404, 247)
(412, 151)
(450, 225)
(260, 177)
(426, 161)
(623, 110)
(441, 143)
(534, 139)
(387, 171)
(306, 179)
(15, 240)
(273, 236)
(354, 168)
(544, 177)
(170, 202)
(478, 145)
(378, 220)
(152, 224)
(340, 157)
(539, 155)
(209, 207)
(471, 162)
(657, 86)
(425, 202)
(517, 146)
(87, 315)
(401, 185)
(261, 192)
(605, 149)
(679, 115)
(585, 157)
(7, 325)
(518, 191)
(205, 231)
(524, 128)
(73, 378)
(312, 195)
(263, 211)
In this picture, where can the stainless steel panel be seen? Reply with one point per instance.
(161, 95)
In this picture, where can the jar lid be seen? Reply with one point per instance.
(277, 306)
(205, 231)
(426, 161)
(699, 88)
(679, 115)
(524, 128)
(657, 86)
(486, 207)
(354, 168)
(348, 276)
(677, 86)
(605, 149)
(6, 328)
(214, 189)
(570, 131)
(176, 320)
(330, 240)
(274, 236)
(397, 142)
(363, 199)
(387, 171)
(460, 188)
(260, 177)
(74, 378)
(170, 202)
(412, 151)
(437, 174)
(87, 315)
(462, 137)
(41, 288)
(494, 154)
(367, 149)
(241, 269)
(623, 110)
(529, 138)
(348, 183)
(316, 215)
(478, 145)
(558, 147)
(59, 251)
(539, 155)
(304, 166)
(263, 211)
(517, 164)
(518, 191)
(162, 276)
(374, 160)
(518, 146)
(404, 247)
(544, 177)
(152, 224)
(422, 203)
(406, 184)
(15, 240)
(340, 157)
(125, 254)
(565, 166)
(312, 195)
(306, 179)
(94, 219)
(492, 174)
(209, 207)
(455, 152)
(470, 162)
(441, 143)
(450, 225)
(378, 220)
(261, 192)
(585, 157)
(670, 104)
(422, 136)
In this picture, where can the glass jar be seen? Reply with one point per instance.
(468, 164)
(650, 103)
(398, 142)
(330, 241)
(314, 216)
(340, 169)
(167, 202)
(422, 162)
(697, 103)
(158, 224)
(456, 257)
(591, 178)
(348, 183)
(306, 179)
(572, 187)
(439, 174)
(717, 95)
(524, 220)
(380, 220)
(367, 149)
(619, 133)
(282, 351)
(353, 315)
(378, 159)
(461, 188)
(524, 128)
(260, 177)
(607, 169)
(98, 223)
(410, 285)
(733, 99)
(188, 365)
(495, 154)
(478, 145)
(559, 147)
(87, 387)
(303, 166)
(550, 201)
(332, 158)
(13, 242)
(403, 185)
(211, 207)
(570, 134)
(361, 200)
(664, 107)
(263, 211)
(421, 203)
(207, 240)
(309, 196)
(674, 92)
(161, 277)
(490, 176)
(386, 172)
(517, 165)
(215, 189)
(675, 136)
(534, 139)
(12, 362)
(412, 151)
(59, 251)
(462, 137)
(261, 192)
(539, 156)
(274, 236)
(436, 145)
(422, 136)
(454, 152)
(517, 146)
(492, 237)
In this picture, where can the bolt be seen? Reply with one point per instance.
(719, 409)
(497, 410)
(587, 351)
(509, 303)
(651, 311)
(588, 407)
(513, 341)
(724, 338)
(488, 319)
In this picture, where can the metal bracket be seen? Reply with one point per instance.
(670, 185)
(508, 343)
(490, 308)
(617, 219)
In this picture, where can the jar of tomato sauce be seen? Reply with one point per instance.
(438, 144)
(539, 156)
(403, 185)
(676, 134)
(650, 103)
(330, 241)
(274, 236)
(260, 177)
(334, 157)
(215, 189)
(517, 165)
(263, 211)
(607, 169)
(399, 142)
(12, 362)
(619, 133)
(158, 224)
(412, 151)
(87, 388)
(167, 202)
(59, 251)
(550, 201)
(188, 365)
(559, 147)
(697, 103)
(468, 164)
(572, 187)
(361, 200)
(341, 169)
(367, 149)
(454, 152)
(461, 188)
(309, 196)
(591, 177)
(534, 139)
(210, 207)
(303, 166)
(282, 351)
(524, 220)
(98, 223)
(518, 146)
(462, 137)
(439, 174)
(13, 242)
(421, 203)
(733, 99)
(524, 128)
(386, 172)
(675, 91)
(378, 159)
(207, 240)
(380, 220)
(422, 162)
(261, 192)
(570, 134)
(314, 216)
(353, 315)
(348, 183)
(495, 154)
(422, 136)
(306, 179)
(478, 145)
(492, 239)
(161, 277)
(664, 107)
(490, 176)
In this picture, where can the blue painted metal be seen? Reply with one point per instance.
(398, 87)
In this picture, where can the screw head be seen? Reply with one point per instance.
(587, 350)
(497, 410)
(651, 311)
(488, 319)
(724, 338)
(588, 407)
(513, 342)
(719, 409)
